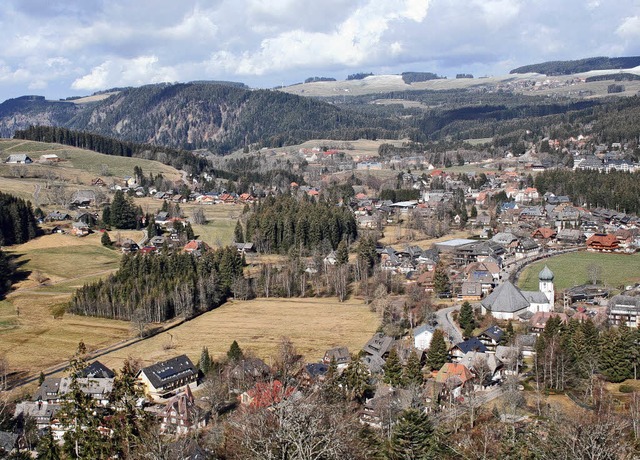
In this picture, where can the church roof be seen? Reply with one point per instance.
(535, 296)
(505, 298)
(546, 274)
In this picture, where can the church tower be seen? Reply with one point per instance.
(546, 285)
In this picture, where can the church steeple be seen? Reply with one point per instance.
(545, 278)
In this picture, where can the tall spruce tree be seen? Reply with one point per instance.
(413, 437)
(441, 283)
(413, 370)
(437, 354)
(238, 233)
(235, 352)
(393, 369)
(466, 319)
(205, 361)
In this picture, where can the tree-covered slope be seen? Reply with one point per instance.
(580, 65)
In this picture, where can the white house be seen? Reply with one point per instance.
(422, 336)
(509, 302)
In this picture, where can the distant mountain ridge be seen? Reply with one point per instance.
(580, 65)
(196, 115)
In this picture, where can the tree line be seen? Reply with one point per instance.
(17, 222)
(615, 190)
(277, 224)
(570, 355)
(179, 159)
(159, 287)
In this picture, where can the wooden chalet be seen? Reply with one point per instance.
(603, 242)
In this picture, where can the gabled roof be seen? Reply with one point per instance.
(340, 354)
(453, 371)
(505, 298)
(494, 333)
(166, 372)
(472, 344)
(378, 345)
(97, 370)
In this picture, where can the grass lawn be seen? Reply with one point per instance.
(314, 325)
(30, 338)
(571, 269)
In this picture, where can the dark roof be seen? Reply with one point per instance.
(166, 372)
(494, 333)
(316, 370)
(379, 345)
(472, 344)
(97, 370)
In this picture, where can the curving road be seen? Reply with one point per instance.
(446, 323)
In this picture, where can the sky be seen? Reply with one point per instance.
(64, 48)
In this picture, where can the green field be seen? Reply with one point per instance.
(571, 270)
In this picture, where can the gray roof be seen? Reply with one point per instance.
(425, 327)
(493, 332)
(505, 298)
(167, 372)
(535, 296)
(97, 370)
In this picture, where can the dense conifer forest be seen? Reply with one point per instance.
(280, 223)
(160, 287)
(615, 190)
(17, 222)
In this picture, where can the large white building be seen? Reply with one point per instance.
(509, 302)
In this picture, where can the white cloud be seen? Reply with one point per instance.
(85, 45)
(630, 28)
(354, 41)
(125, 72)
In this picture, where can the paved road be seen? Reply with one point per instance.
(446, 323)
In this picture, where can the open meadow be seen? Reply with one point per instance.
(572, 270)
(56, 265)
(313, 324)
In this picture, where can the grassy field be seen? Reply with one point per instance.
(77, 168)
(571, 269)
(314, 325)
(30, 338)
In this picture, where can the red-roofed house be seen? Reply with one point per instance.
(602, 242)
(544, 233)
(265, 394)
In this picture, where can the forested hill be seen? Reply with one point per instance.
(199, 115)
(579, 65)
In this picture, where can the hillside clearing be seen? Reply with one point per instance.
(31, 339)
(313, 324)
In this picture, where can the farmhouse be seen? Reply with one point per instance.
(602, 242)
(19, 158)
(160, 380)
(509, 302)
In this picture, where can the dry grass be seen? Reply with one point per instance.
(314, 325)
(31, 338)
(402, 237)
(77, 169)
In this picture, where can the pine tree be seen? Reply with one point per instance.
(412, 437)
(437, 354)
(413, 370)
(48, 448)
(205, 361)
(441, 283)
(105, 240)
(393, 369)
(342, 253)
(235, 352)
(355, 380)
(466, 319)
(238, 235)
(41, 378)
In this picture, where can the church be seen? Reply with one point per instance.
(509, 302)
